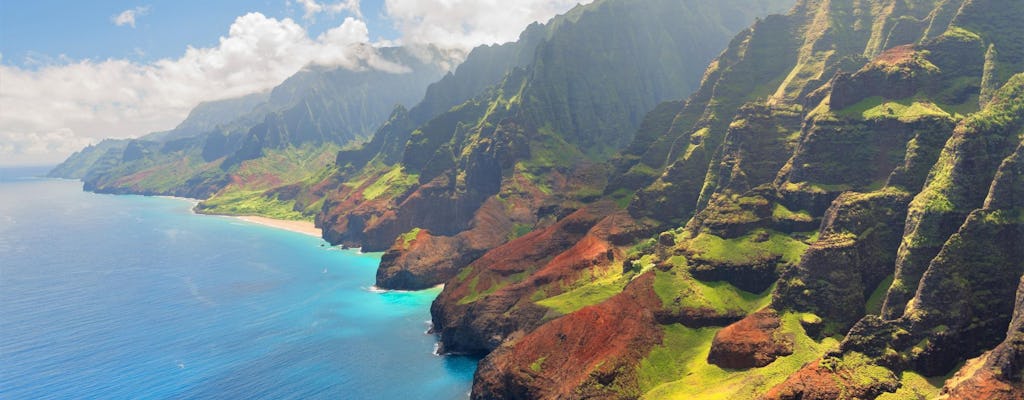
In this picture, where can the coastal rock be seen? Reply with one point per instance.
(490, 299)
(429, 260)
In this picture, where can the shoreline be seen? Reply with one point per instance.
(303, 227)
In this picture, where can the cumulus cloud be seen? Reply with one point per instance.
(127, 17)
(312, 8)
(50, 111)
(464, 24)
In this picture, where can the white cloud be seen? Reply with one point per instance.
(312, 8)
(464, 24)
(54, 107)
(127, 17)
(39, 148)
(50, 111)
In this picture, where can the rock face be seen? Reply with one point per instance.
(428, 259)
(835, 163)
(591, 353)
(478, 311)
(531, 140)
(961, 304)
(997, 374)
(854, 254)
(753, 342)
(830, 379)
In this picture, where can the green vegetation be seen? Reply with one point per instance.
(594, 288)
(394, 182)
(284, 166)
(248, 194)
(243, 202)
(622, 197)
(409, 236)
(476, 294)
(682, 350)
(463, 274)
(538, 365)
(757, 245)
(159, 177)
(781, 213)
(905, 110)
(549, 150)
(859, 368)
(678, 368)
(519, 230)
(915, 386)
(642, 248)
(677, 290)
(78, 165)
(874, 303)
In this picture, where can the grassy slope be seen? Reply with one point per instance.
(250, 194)
(678, 369)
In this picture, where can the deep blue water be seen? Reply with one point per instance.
(128, 297)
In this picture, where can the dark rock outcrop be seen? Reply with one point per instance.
(753, 342)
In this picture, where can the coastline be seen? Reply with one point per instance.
(303, 227)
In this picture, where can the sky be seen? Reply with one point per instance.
(75, 72)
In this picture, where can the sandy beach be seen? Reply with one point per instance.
(304, 227)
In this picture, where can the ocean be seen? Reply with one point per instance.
(131, 297)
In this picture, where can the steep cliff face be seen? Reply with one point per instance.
(532, 140)
(996, 374)
(790, 191)
(961, 303)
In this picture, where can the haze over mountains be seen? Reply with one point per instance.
(805, 199)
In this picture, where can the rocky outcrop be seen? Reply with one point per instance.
(753, 342)
(957, 185)
(850, 377)
(490, 299)
(898, 73)
(999, 373)
(961, 305)
(428, 259)
(680, 155)
(838, 274)
(757, 144)
(591, 353)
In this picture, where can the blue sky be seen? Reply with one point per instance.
(41, 31)
(76, 72)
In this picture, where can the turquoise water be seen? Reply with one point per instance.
(132, 297)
